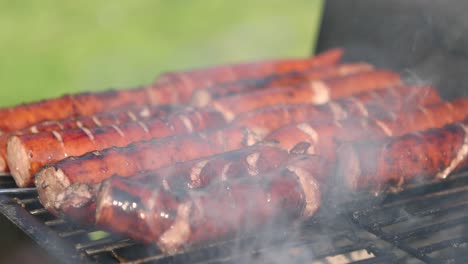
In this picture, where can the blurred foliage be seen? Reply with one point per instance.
(49, 47)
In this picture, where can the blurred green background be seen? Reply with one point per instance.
(49, 47)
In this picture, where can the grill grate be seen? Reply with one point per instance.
(423, 224)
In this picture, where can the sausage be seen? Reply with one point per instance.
(78, 200)
(174, 221)
(376, 165)
(324, 139)
(203, 97)
(366, 104)
(316, 92)
(21, 116)
(114, 117)
(121, 160)
(27, 153)
(228, 73)
(96, 166)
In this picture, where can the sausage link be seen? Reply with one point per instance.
(316, 92)
(324, 139)
(375, 165)
(366, 104)
(78, 200)
(114, 117)
(175, 222)
(27, 153)
(203, 97)
(228, 73)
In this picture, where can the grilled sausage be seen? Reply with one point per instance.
(228, 73)
(114, 117)
(323, 139)
(316, 92)
(27, 153)
(174, 222)
(78, 200)
(366, 104)
(375, 165)
(97, 166)
(203, 97)
(21, 116)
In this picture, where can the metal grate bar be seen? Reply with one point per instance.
(454, 242)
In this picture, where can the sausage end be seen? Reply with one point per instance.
(50, 184)
(19, 162)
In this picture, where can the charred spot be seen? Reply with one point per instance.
(300, 148)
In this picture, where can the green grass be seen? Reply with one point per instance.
(48, 47)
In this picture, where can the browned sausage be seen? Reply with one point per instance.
(78, 200)
(27, 153)
(114, 117)
(434, 153)
(98, 166)
(324, 139)
(203, 97)
(366, 104)
(227, 73)
(316, 92)
(21, 116)
(175, 222)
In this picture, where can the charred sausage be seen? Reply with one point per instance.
(175, 222)
(78, 200)
(375, 165)
(323, 139)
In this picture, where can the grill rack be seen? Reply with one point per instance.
(426, 223)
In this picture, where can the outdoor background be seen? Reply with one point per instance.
(48, 48)
(51, 47)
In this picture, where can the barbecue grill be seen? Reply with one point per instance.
(426, 223)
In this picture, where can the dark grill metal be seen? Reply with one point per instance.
(426, 223)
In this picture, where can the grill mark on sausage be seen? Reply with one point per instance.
(384, 127)
(87, 132)
(33, 130)
(310, 131)
(132, 116)
(252, 160)
(143, 126)
(228, 115)
(187, 123)
(337, 111)
(119, 131)
(196, 171)
(461, 155)
(359, 105)
(321, 92)
(145, 112)
(96, 121)
(225, 170)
